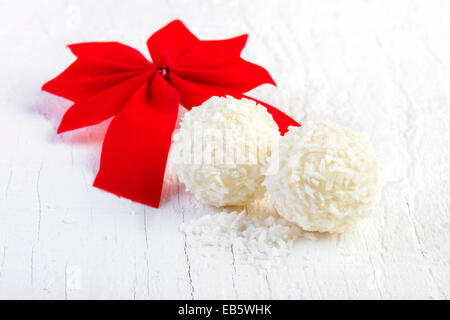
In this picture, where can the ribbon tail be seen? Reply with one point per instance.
(137, 144)
(283, 120)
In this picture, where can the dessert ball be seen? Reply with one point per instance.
(221, 150)
(327, 178)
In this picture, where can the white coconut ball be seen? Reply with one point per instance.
(221, 149)
(328, 177)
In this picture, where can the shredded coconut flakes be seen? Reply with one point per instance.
(221, 149)
(252, 239)
(328, 178)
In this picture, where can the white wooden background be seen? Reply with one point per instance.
(380, 66)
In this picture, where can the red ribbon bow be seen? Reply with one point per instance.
(111, 79)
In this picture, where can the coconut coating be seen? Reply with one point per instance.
(327, 178)
(221, 150)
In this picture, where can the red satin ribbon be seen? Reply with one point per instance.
(111, 79)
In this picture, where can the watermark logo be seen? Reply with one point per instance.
(73, 20)
(73, 277)
(225, 148)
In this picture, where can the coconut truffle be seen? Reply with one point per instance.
(221, 149)
(328, 177)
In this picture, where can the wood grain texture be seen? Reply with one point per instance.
(379, 66)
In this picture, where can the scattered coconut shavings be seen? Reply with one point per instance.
(251, 239)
